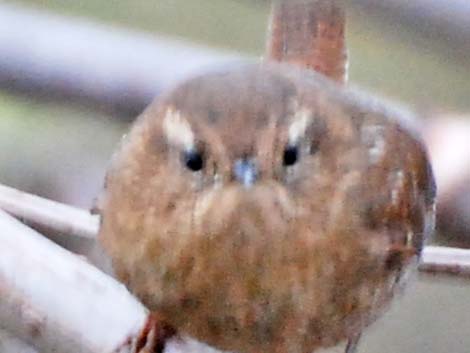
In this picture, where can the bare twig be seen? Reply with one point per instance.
(57, 301)
(60, 303)
(61, 218)
(446, 260)
(435, 259)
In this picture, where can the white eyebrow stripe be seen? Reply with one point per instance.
(177, 129)
(301, 120)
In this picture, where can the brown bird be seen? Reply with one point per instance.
(264, 208)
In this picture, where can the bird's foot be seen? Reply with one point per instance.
(353, 343)
(154, 335)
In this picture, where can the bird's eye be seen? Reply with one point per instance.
(193, 160)
(291, 156)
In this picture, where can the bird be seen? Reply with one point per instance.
(264, 206)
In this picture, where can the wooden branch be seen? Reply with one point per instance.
(57, 301)
(46, 213)
(435, 259)
(446, 260)
(60, 303)
(309, 34)
(72, 60)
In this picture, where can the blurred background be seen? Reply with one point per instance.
(56, 141)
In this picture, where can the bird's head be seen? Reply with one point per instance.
(251, 137)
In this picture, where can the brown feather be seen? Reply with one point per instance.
(302, 259)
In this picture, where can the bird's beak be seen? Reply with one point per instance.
(245, 172)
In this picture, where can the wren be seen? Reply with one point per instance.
(264, 207)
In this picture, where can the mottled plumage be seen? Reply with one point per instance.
(305, 255)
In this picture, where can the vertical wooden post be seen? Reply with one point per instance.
(310, 34)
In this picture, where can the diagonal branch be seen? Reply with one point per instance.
(61, 218)
(58, 302)
(73, 221)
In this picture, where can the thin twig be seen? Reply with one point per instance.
(56, 216)
(58, 302)
(438, 259)
(73, 221)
